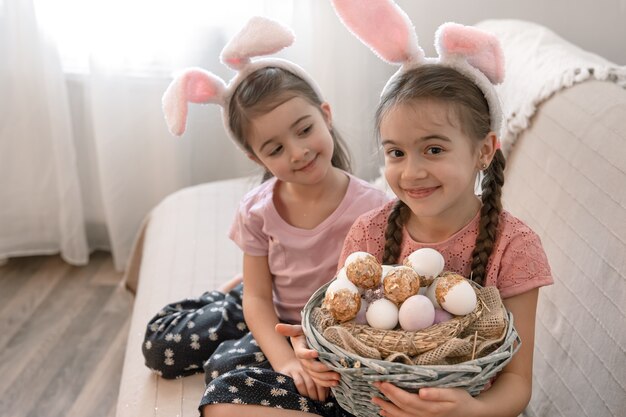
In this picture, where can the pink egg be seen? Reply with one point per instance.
(416, 313)
(441, 315)
(360, 316)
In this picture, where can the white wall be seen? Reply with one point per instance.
(598, 26)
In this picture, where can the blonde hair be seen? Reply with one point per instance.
(468, 102)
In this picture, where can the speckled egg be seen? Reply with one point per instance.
(401, 283)
(363, 269)
(342, 299)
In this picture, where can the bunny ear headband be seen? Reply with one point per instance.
(388, 31)
(259, 37)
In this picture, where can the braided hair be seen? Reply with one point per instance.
(468, 101)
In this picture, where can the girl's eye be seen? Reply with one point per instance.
(434, 150)
(276, 150)
(306, 130)
(395, 153)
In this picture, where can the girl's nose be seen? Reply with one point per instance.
(299, 153)
(414, 169)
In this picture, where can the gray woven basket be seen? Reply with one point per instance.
(355, 389)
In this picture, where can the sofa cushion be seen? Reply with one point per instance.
(566, 178)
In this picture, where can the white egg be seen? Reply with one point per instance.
(459, 298)
(386, 269)
(416, 313)
(430, 293)
(342, 274)
(341, 283)
(356, 255)
(382, 314)
(427, 262)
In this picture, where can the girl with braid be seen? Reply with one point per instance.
(437, 122)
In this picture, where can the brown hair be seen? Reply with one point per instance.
(267, 88)
(470, 106)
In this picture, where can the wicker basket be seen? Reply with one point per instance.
(355, 389)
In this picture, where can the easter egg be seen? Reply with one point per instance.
(385, 270)
(455, 294)
(430, 293)
(441, 316)
(382, 314)
(342, 300)
(416, 313)
(363, 269)
(427, 262)
(360, 316)
(401, 283)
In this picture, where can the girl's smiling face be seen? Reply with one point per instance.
(293, 141)
(430, 163)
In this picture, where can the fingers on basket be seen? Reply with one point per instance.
(289, 329)
(317, 367)
(303, 353)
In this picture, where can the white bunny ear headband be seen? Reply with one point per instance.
(259, 37)
(388, 31)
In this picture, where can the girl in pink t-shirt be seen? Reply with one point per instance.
(290, 229)
(437, 122)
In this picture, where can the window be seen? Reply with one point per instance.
(145, 35)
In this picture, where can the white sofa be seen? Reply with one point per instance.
(566, 178)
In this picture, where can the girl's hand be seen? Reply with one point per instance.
(320, 373)
(304, 383)
(431, 402)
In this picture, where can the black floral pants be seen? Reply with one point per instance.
(183, 335)
(209, 334)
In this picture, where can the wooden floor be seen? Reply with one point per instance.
(63, 332)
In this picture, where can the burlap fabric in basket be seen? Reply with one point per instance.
(464, 352)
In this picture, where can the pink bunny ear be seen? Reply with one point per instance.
(193, 85)
(260, 36)
(481, 49)
(383, 26)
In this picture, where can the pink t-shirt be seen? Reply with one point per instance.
(300, 260)
(517, 264)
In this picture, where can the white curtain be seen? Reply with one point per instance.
(41, 210)
(84, 151)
